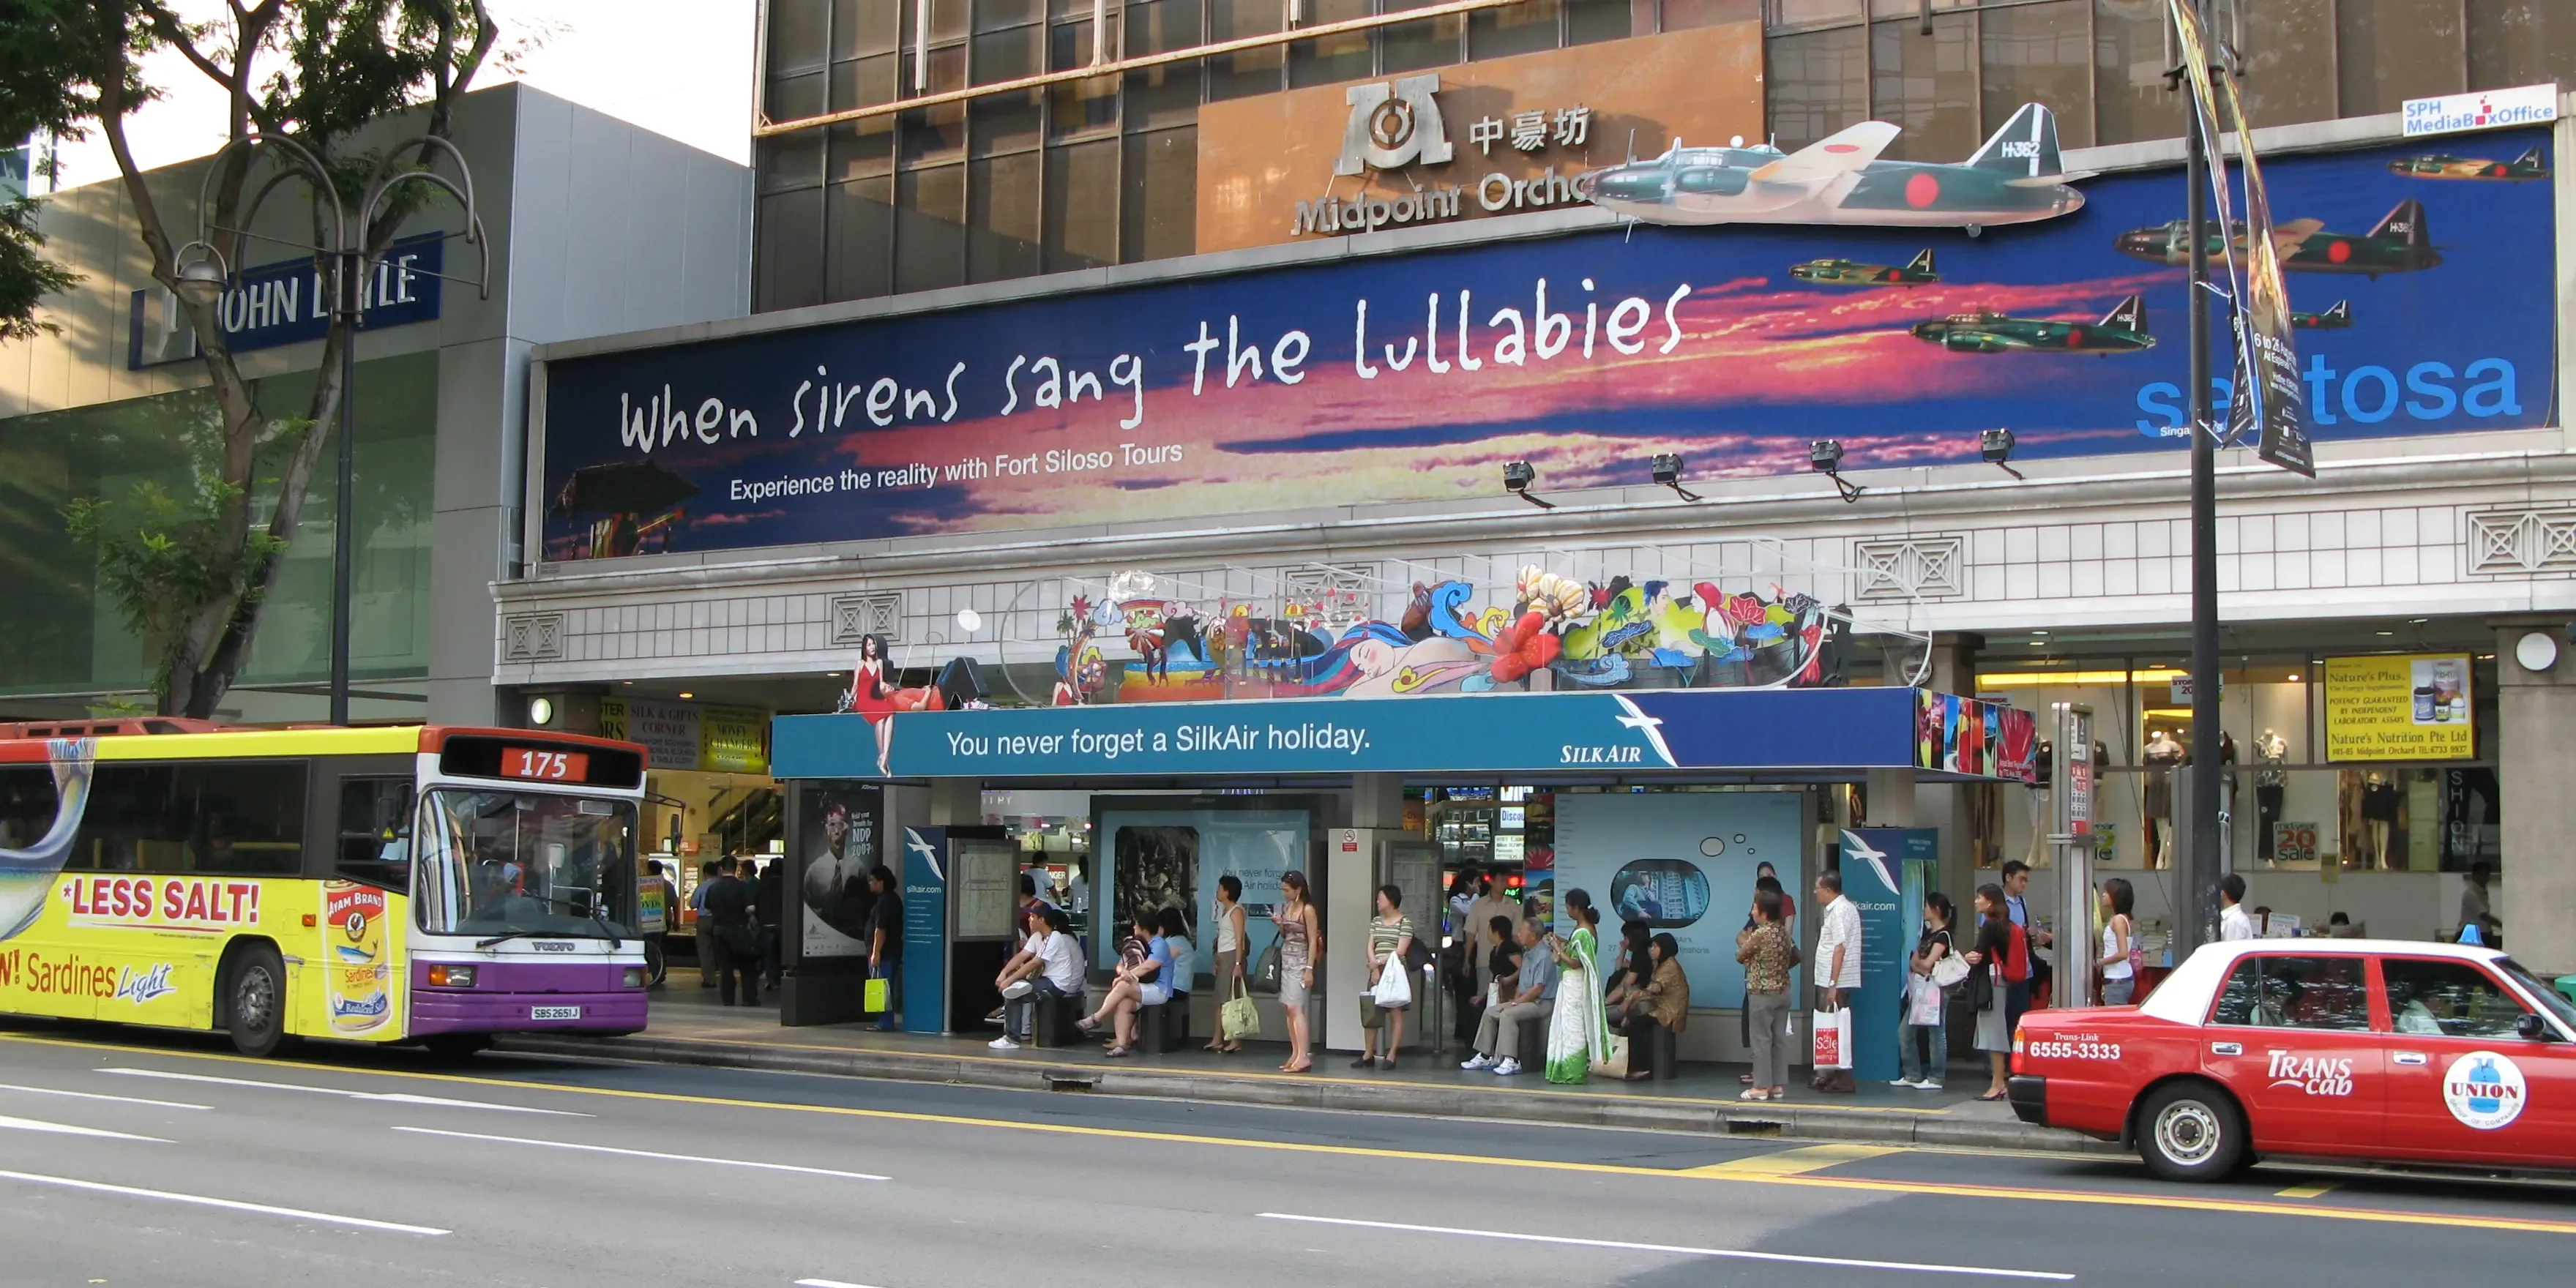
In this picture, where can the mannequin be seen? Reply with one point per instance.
(2226, 801)
(2270, 749)
(2380, 799)
(2161, 755)
(2040, 819)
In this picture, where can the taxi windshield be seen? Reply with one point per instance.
(526, 863)
(2551, 998)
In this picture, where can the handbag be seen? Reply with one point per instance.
(1393, 989)
(1925, 1008)
(1615, 1064)
(1978, 994)
(1239, 1018)
(1265, 971)
(1949, 971)
(1833, 1039)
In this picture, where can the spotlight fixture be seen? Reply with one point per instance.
(1668, 473)
(1996, 445)
(1825, 456)
(1517, 477)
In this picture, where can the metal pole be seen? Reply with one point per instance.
(343, 520)
(2200, 877)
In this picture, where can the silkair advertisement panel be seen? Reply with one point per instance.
(2422, 293)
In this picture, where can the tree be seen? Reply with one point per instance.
(38, 92)
(191, 570)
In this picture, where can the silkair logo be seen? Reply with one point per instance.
(1393, 125)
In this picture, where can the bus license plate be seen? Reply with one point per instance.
(554, 1012)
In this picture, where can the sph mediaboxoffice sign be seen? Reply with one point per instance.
(289, 302)
(2421, 294)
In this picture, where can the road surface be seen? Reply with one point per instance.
(131, 1158)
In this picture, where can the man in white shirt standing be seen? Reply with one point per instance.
(1837, 966)
(2232, 921)
(1058, 975)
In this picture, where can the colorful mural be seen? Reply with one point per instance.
(1969, 736)
(1401, 378)
(1555, 632)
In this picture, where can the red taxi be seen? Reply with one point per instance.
(2321, 1048)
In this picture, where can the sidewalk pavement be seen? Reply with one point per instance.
(689, 1029)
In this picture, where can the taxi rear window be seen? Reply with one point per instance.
(2286, 992)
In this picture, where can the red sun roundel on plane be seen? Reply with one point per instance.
(1922, 190)
(2338, 252)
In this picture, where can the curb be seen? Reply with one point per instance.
(1810, 1122)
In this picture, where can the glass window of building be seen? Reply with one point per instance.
(2389, 51)
(2039, 53)
(2521, 42)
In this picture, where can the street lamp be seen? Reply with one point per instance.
(353, 251)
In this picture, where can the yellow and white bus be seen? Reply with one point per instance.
(426, 884)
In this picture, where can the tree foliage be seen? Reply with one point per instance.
(190, 569)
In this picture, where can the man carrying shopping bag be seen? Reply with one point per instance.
(1837, 979)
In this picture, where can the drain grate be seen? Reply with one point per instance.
(1055, 1083)
(1754, 1127)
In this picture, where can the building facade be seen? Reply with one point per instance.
(1284, 455)
(593, 225)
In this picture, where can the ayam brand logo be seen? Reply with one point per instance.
(2314, 1075)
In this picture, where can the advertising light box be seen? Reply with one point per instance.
(2421, 290)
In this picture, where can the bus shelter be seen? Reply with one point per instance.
(1661, 805)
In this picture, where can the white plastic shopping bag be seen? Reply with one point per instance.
(1393, 989)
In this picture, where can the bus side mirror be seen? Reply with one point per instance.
(2530, 1028)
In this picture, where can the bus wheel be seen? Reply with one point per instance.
(255, 1000)
(456, 1046)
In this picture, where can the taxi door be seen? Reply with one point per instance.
(2464, 1085)
(2291, 1035)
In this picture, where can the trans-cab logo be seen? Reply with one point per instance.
(2314, 1075)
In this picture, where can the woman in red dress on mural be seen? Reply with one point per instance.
(870, 697)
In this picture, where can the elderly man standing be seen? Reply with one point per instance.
(1837, 967)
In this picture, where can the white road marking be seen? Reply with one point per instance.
(92, 1095)
(646, 1153)
(229, 1205)
(826, 1283)
(66, 1129)
(1732, 1254)
(383, 1097)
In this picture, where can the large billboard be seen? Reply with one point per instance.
(2422, 287)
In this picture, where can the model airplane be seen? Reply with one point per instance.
(2334, 319)
(2398, 244)
(1843, 272)
(2015, 178)
(2439, 166)
(2122, 330)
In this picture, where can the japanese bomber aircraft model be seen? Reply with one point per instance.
(2399, 243)
(1843, 272)
(2122, 330)
(2440, 166)
(2337, 318)
(2015, 178)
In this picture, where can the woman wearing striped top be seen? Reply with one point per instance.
(1390, 935)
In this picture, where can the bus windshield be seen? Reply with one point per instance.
(525, 863)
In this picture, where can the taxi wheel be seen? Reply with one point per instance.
(2191, 1131)
(255, 1001)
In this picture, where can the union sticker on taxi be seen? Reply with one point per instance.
(2484, 1090)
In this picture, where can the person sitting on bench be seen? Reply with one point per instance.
(1498, 1037)
(1139, 984)
(1665, 996)
(1057, 975)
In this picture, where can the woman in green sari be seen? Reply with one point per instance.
(1578, 1033)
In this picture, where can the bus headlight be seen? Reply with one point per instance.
(635, 977)
(445, 975)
